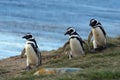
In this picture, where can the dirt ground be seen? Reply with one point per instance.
(14, 66)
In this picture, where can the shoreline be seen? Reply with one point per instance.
(47, 51)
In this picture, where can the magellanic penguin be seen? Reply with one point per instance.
(31, 51)
(75, 42)
(98, 34)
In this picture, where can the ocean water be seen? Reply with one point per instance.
(47, 20)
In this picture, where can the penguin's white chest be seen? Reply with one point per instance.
(98, 36)
(76, 47)
(31, 55)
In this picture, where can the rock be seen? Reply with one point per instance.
(48, 71)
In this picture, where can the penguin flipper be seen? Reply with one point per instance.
(89, 37)
(87, 45)
(65, 45)
(39, 59)
(23, 53)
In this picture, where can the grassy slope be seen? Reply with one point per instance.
(104, 65)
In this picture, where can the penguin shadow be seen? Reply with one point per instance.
(90, 50)
(101, 49)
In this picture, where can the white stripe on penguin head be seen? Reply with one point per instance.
(70, 28)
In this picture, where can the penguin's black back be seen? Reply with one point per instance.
(33, 43)
(102, 30)
(33, 40)
(33, 46)
(100, 26)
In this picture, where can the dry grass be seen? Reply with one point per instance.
(104, 65)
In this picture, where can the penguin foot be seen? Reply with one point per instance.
(28, 68)
(100, 48)
(83, 55)
(92, 51)
(38, 65)
(70, 57)
(97, 49)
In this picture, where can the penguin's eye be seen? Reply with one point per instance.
(93, 23)
(71, 30)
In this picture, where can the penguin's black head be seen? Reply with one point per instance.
(93, 22)
(70, 31)
(27, 36)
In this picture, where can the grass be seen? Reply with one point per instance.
(104, 65)
(2, 70)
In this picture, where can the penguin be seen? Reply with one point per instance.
(98, 34)
(75, 42)
(31, 51)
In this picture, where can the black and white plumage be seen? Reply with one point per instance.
(31, 51)
(98, 34)
(76, 43)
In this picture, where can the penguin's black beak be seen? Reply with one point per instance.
(24, 37)
(27, 36)
(66, 33)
